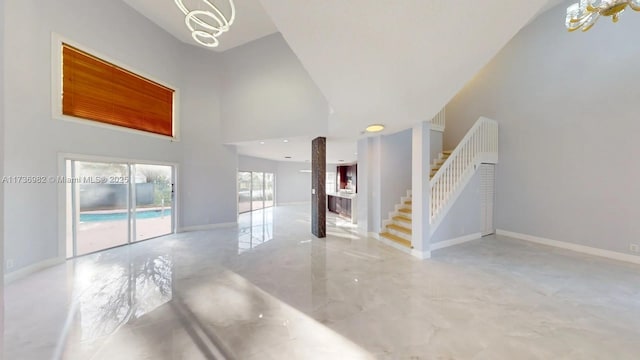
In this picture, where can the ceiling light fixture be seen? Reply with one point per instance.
(375, 128)
(584, 14)
(207, 25)
(285, 141)
(261, 142)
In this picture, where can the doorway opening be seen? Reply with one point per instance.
(487, 198)
(110, 204)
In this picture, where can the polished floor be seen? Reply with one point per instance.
(268, 290)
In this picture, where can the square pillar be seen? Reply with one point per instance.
(318, 189)
(420, 189)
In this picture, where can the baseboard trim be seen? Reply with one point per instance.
(207, 227)
(413, 252)
(457, 241)
(26, 271)
(573, 247)
(422, 255)
(394, 245)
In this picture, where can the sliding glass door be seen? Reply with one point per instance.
(269, 184)
(244, 191)
(153, 201)
(255, 190)
(102, 205)
(114, 203)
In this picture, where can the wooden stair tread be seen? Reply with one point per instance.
(396, 239)
(408, 202)
(447, 152)
(399, 228)
(401, 218)
(405, 210)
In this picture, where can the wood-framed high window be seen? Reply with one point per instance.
(98, 90)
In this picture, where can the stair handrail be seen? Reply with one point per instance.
(439, 120)
(481, 139)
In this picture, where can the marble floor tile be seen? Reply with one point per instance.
(267, 289)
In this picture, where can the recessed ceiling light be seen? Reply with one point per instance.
(375, 128)
(285, 140)
(340, 160)
(287, 157)
(261, 142)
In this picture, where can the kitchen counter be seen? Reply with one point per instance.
(343, 204)
(345, 195)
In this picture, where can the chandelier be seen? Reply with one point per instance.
(206, 25)
(584, 14)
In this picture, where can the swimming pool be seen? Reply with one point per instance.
(116, 216)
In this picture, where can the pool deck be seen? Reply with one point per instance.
(99, 235)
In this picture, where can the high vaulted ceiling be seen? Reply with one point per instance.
(375, 61)
(395, 62)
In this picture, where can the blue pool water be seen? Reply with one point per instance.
(145, 214)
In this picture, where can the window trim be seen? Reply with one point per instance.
(57, 42)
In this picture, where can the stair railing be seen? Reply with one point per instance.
(479, 145)
(438, 122)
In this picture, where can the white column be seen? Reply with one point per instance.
(2, 263)
(363, 186)
(369, 185)
(420, 168)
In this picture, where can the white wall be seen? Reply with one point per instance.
(268, 94)
(464, 216)
(292, 186)
(374, 200)
(437, 138)
(567, 107)
(250, 163)
(395, 170)
(208, 168)
(364, 185)
(34, 139)
(2, 134)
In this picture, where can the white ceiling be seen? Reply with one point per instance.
(299, 149)
(251, 22)
(395, 62)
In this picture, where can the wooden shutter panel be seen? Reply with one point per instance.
(96, 90)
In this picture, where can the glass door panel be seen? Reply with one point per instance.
(102, 205)
(244, 191)
(257, 190)
(269, 188)
(153, 200)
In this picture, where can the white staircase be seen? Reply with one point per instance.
(397, 229)
(479, 145)
(450, 174)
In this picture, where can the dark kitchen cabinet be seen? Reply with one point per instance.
(348, 174)
(339, 205)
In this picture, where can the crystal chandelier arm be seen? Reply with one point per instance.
(584, 14)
